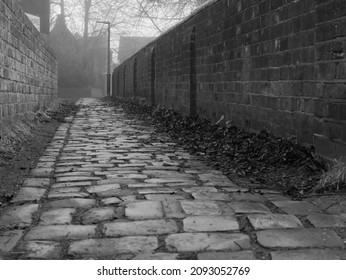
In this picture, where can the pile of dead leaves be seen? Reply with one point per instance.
(263, 159)
(62, 110)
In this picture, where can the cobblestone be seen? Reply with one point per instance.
(299, 238)
(144, 210)
(59, 232)
(197, 242)
(105, 189)
(241, 255)
(272, 221)
(325, 220)
(9, 239)
(198, 208)
(249, 207)
(148, 227)
(42, 172)
(36, 182)
(18, 216)
(157, 256)
(297, 207)
(29, 194)
(97, 215)
(310, 254)
(210, 223)
(72, 202)
(112, 246)
(41, 250)
(57, 217)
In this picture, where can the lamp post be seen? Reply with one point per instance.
(108, 57)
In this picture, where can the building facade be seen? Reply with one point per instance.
(39, 8)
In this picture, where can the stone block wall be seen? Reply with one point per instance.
(28, 67)
(275, 64)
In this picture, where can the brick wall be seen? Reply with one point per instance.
(28, 67)
(275, 64)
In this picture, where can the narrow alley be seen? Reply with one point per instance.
(103, 190)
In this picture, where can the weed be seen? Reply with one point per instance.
(334, 179)
(14, 131)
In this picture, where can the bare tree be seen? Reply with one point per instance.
(164, 13)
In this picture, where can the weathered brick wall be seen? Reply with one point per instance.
(28, 67)
(275, 64)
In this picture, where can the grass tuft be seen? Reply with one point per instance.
(334, 179)
(14, 131)
(18, 129)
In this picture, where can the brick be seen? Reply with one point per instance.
(325, 71)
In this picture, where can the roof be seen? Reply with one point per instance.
(60, 35)
(128, 46)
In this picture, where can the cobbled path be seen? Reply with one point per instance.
(103, 190)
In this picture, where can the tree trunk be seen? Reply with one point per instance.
(62, 9)
(87, 6)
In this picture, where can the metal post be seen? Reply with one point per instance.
(108, 75)
(109, 61)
